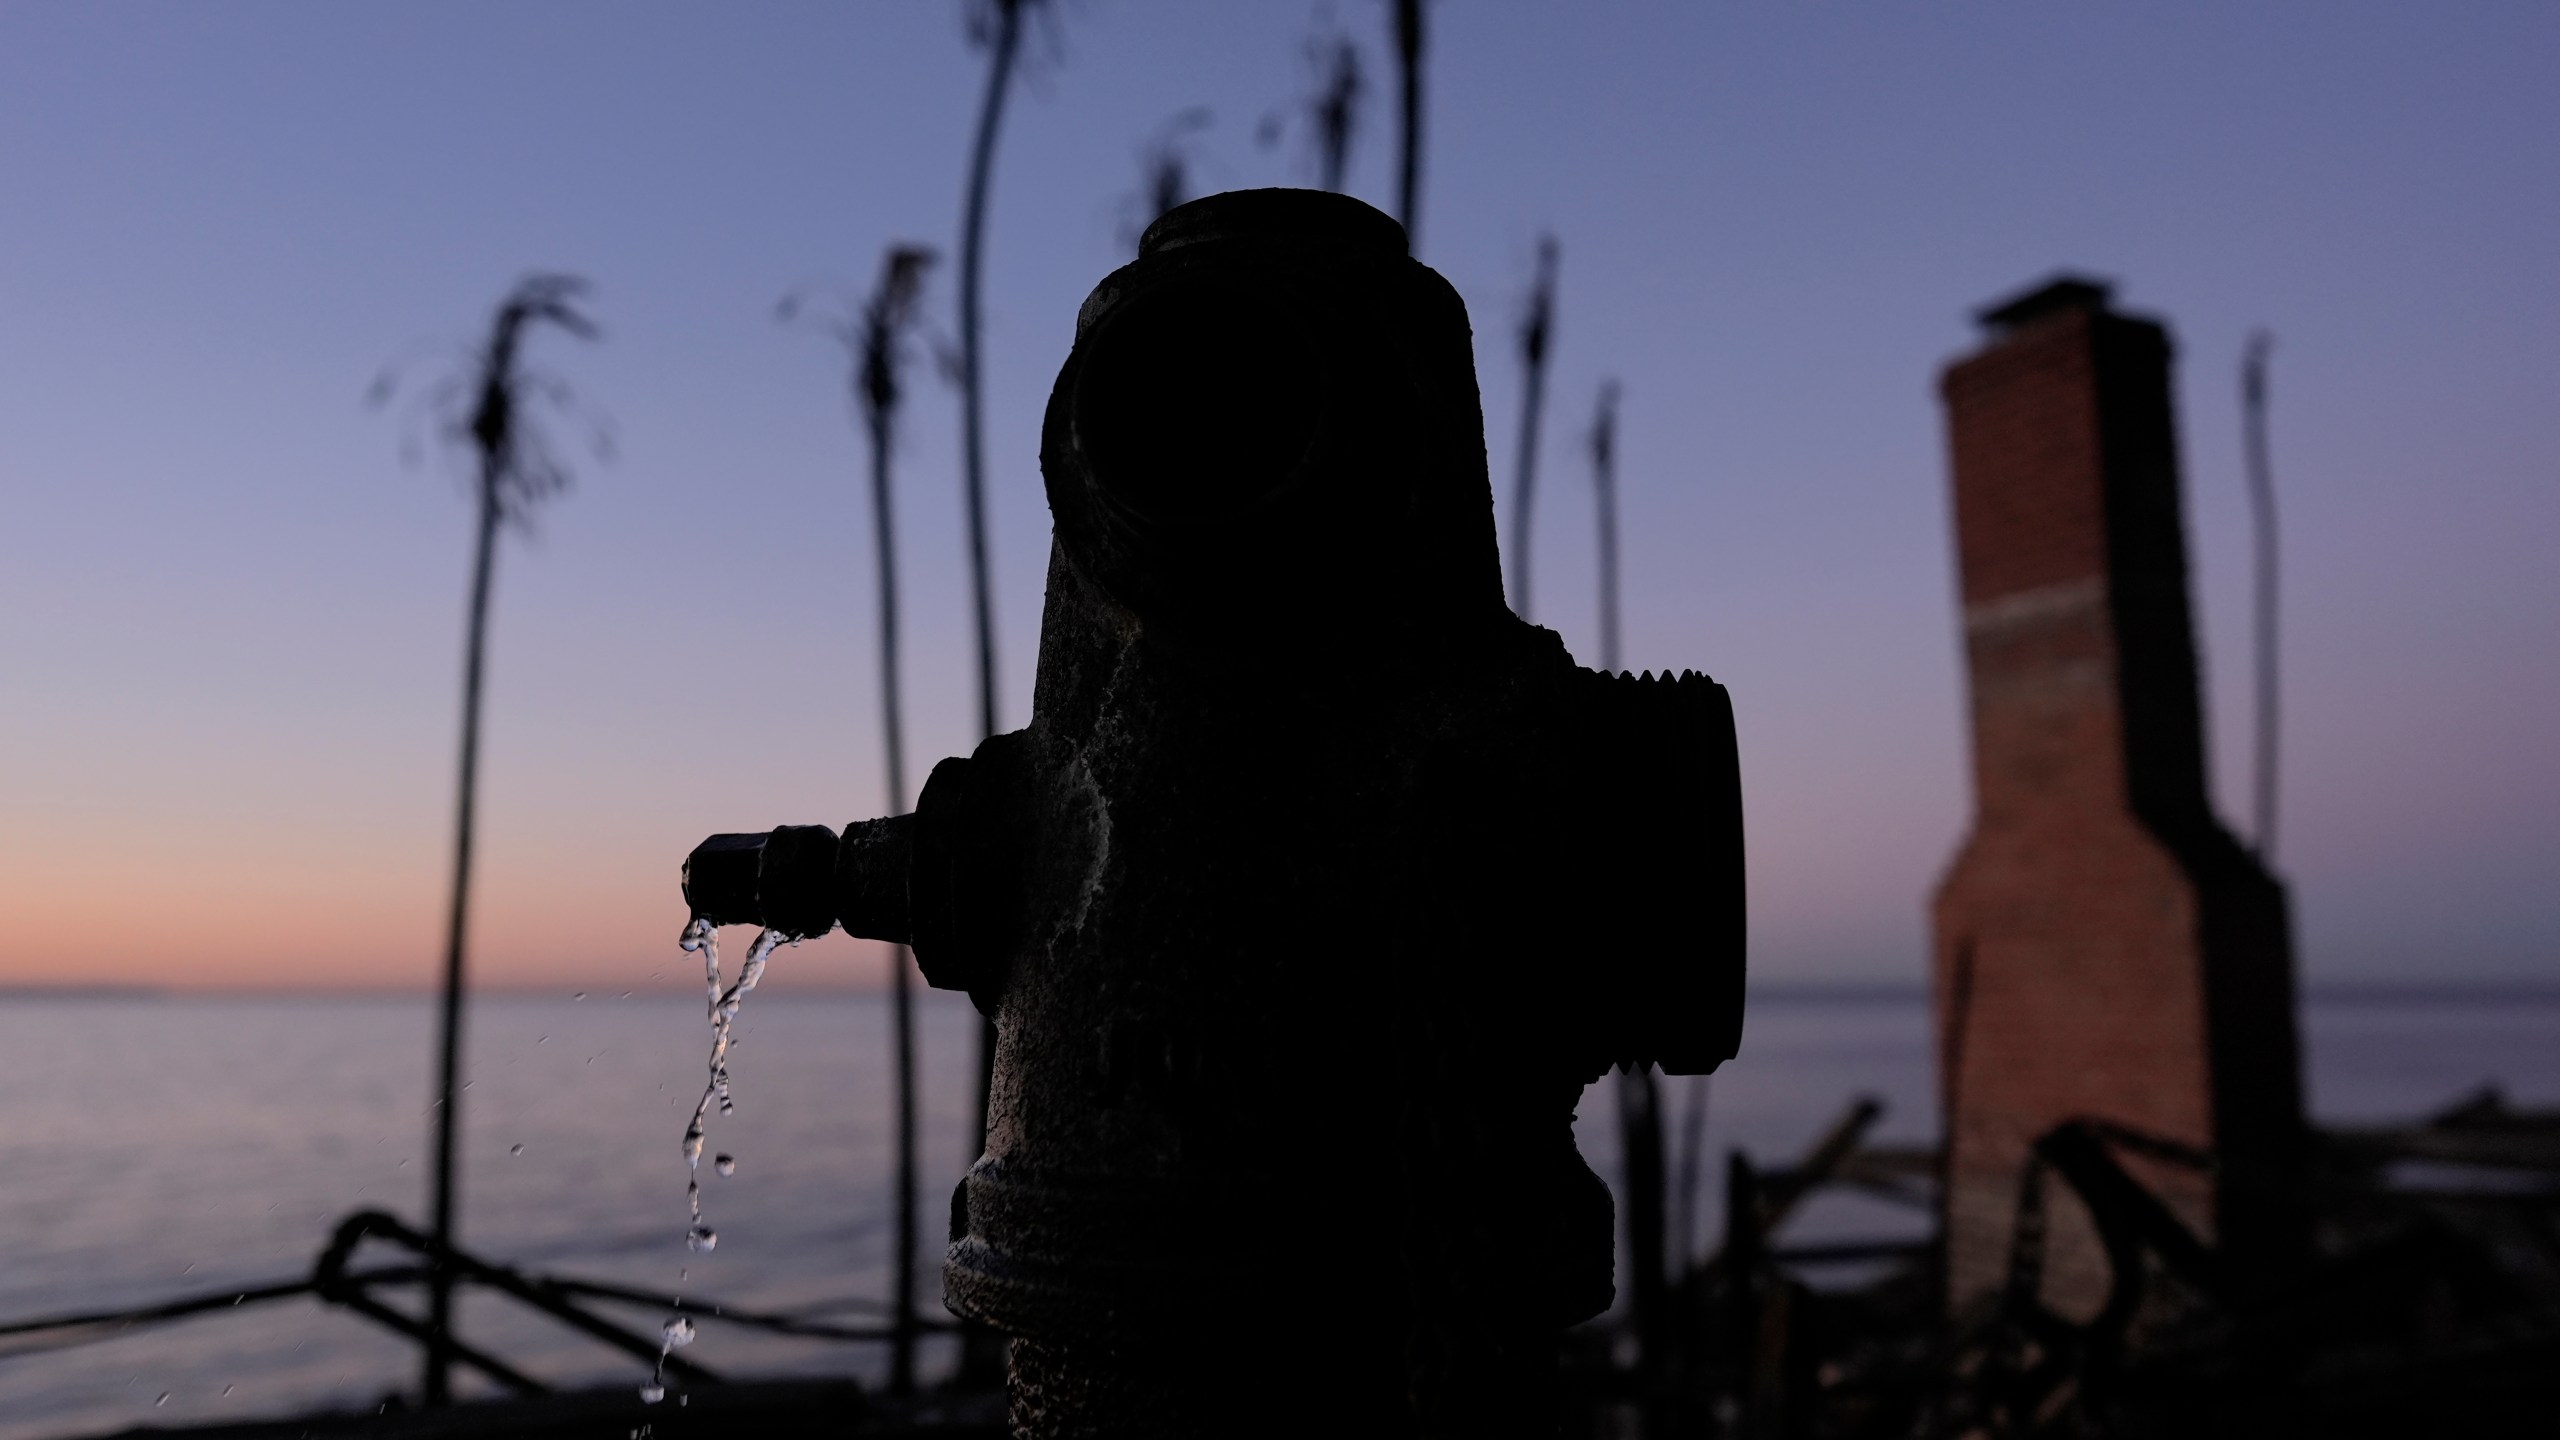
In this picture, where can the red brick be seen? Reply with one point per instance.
(2104, 948)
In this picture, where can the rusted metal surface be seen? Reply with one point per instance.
(1315, 891)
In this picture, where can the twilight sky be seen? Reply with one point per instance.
(230, 618)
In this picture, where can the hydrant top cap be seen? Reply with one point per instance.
(1317, 215)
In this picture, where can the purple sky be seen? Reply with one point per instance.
(230, 619)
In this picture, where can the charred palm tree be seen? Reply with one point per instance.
(996, 26)
(876, 336)
(1333, 110)
(1164, 171)
(1645, 1181)
(516, 472)
(1409, 41)
(1537, 326)
(2262, 510)
(1604, 494)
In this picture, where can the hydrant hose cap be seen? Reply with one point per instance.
(781, 880)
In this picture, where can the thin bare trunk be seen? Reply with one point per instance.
(436, 1383)
(1535, 328)
(1409, 40)
(1604, 494)
(1693, 1143)
(2262, 509)
(1640, 1132)
(973, 224)
(1644, 1180)
(902, 1344)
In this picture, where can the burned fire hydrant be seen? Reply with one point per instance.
(1314, 893)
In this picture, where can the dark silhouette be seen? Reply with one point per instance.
(1690, 1172)
(1645, 1181)
(1409, 51)
(1188, 1168)
(1164, 169)
(516, 473)
(1604, 494)
(885, 320)
(876, 336)
(1537, 324)
(997, 26)
(1333, 111)
(2262, 514)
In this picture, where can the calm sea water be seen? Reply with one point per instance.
(170, 1146)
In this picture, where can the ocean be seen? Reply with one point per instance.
(178, 1145)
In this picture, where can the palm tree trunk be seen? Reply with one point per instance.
(1604, 494)
(1644, 1178)
(973, 226)
(1640, 1130)
(1409, 170)
(902, 1347)
(2262, 509)
(436, 1384)
(1533, 405)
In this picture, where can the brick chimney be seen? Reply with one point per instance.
(2104, 948)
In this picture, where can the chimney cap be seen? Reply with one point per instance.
(2064, 291)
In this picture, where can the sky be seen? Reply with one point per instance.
(231, 614)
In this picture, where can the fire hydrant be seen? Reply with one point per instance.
(1314, 893)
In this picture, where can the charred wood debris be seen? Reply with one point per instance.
(2426, 1302)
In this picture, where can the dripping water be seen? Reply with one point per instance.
(678, 1331)
(724, 1003)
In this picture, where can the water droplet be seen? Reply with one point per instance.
(580, 995)
(226, 1389)
(725, 1164)
(163, 1400)
(678, 1332)
(542, 1040)
(515, 1149)
(702, 1238)
(652, 1393)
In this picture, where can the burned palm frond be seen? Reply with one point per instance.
(517, 467)
(1333, 109)
(517, 470)
(1028, 27)
(1164, 169)
(887, 318)
(1537, 327)
(483, 408)
(1409, 50)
